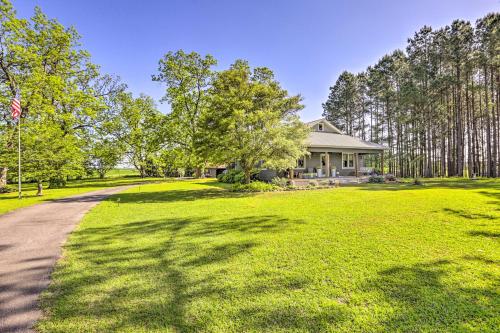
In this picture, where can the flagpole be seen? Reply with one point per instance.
(19, 156)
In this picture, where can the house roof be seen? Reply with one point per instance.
(338, 140)
(334, 140)
(326, 122)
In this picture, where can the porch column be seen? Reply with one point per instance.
(382, 162)
(327, 164)
(356, 164)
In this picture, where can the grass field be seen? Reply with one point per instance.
(10, 201)
(191, 256)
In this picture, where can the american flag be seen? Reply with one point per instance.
(15, 108)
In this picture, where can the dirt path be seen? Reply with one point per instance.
(30, 244)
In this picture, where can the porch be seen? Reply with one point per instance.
(335, 164)
(341, 180)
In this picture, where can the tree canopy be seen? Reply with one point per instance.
(253, 120)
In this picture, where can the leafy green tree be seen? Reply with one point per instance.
(50, 155)
(140, 128)
(104, 155)
(43, 60)
(172, 162)
(252, 120)
(187, 77)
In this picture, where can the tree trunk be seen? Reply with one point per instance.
(248, 174)
(199, 172)
(489, 155)
(3, 177)
(39, 189)
(494, 157)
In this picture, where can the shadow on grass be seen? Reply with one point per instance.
(172, 267)
(178, 195)
(424, 295)
(493, 185)
(468, 215)
(482, 233)
(84, 185)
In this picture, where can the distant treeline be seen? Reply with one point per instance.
(436, 105)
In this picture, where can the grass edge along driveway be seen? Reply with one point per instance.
(10, 201)
(190, 256)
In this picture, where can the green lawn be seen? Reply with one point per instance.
(191, 256)
(10, 201)
(124, 172)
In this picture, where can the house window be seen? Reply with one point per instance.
(300, 162)
(347, 161)
(320, 127)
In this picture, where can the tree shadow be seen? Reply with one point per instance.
(482, 259)
(468, 215)
(292, 318)
(423, 296)
(483, 233)
(182, 265)
(493, 185)
(4, 247)
(178, 195)
(89, 184)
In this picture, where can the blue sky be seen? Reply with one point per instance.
(307, 43)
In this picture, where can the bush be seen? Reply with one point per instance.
(280, 182)
(232, 176)
(57, 182)
(6, 189)
(312, 183)
(390, 177)
(255, 186)
(376, 179)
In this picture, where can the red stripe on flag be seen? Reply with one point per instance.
(15, 108)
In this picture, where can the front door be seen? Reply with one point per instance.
(324, 165)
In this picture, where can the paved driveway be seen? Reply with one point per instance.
(30, 244)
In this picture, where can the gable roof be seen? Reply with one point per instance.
(338, 140)
(326, 122)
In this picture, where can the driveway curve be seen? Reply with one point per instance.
(30, 244)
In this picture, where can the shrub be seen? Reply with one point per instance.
(57, 182)
(281, 182)
(390, 177)
(312, 183)
(376, 179)
(255, 186)
(6, 189)
(417, 181)
(232, 176)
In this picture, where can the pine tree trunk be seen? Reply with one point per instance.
(489, 155)
(494, 157)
